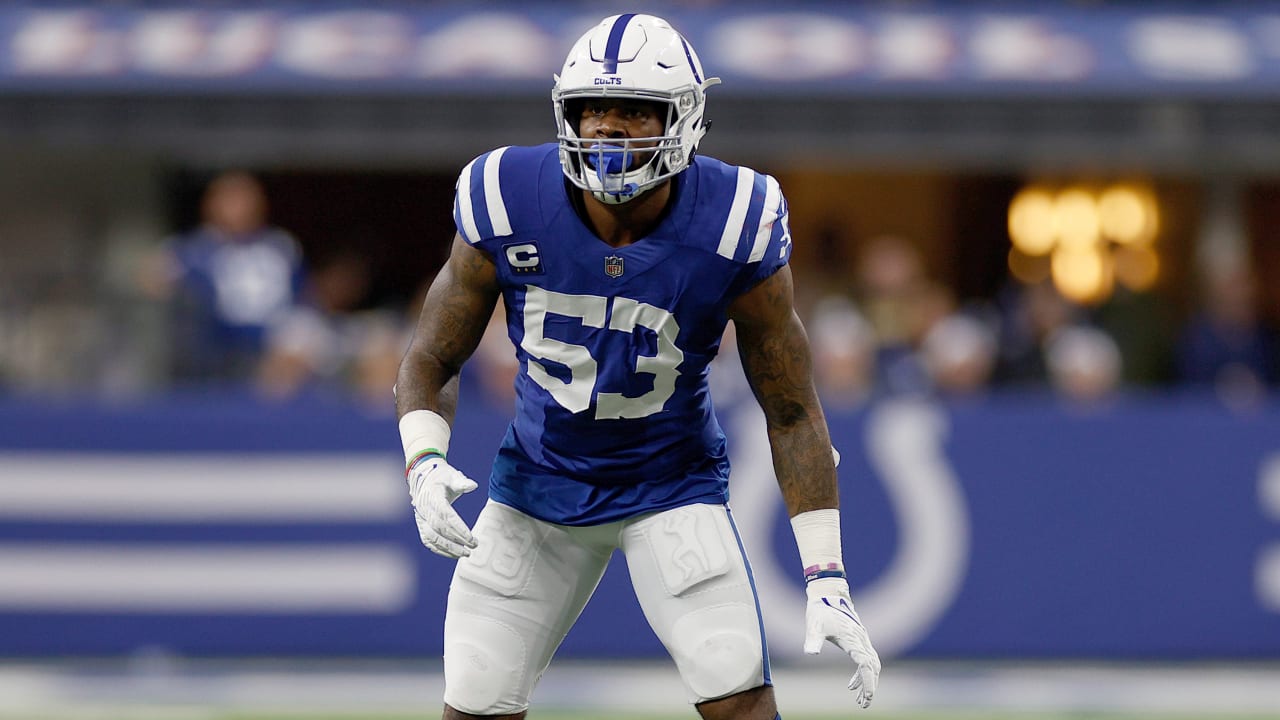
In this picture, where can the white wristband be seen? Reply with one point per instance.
(818, 539)
(423, 431)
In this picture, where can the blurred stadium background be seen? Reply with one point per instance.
(1036, 249)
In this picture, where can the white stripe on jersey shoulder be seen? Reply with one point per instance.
(494, 204)
(772, 204)
(493, 195)
(737, 213)
(470, 232)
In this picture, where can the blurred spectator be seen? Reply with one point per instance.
(1141, 325)
(1032, 316)
(228, 281)
(890, 281)
(52, 347)
(1226, 345)
(727, 380)
(326, 342)
(844, 352)
(1083, 362)
(826, 269)
(901, 303)
(495, 361)
(959, 353)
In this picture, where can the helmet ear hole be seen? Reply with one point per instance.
(675, 160)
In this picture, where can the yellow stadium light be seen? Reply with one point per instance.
(1075, 219)
(1031, 221)
(1083, 275)
(1028, 269)
(1127, 214)
(1137, 267)
(1085, 240)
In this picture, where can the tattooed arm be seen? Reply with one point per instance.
(454, 315)
(775, 355)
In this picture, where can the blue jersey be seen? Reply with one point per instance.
(231, 291)
(613, 414)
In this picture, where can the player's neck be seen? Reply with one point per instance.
(620, 225)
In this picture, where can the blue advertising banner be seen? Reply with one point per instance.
(1010, 527)
(504, 47)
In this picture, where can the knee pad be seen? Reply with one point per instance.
(485, 673)
(719, 650)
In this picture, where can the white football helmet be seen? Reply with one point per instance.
(639, 57)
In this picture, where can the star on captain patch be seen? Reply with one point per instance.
(613, 266)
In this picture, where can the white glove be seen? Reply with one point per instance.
(433, 486)
(829, 615)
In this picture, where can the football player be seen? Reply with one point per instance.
(620, 256)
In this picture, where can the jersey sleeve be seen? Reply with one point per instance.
(756, 233)
(771, 247)
(479, 206)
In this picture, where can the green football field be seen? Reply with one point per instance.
(280, 690)
(191, 714)
(871, 715)
(851, 715)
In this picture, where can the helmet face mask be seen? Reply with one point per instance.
(630, 57)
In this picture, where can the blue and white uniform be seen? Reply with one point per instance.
(613, 414)
(614, 446)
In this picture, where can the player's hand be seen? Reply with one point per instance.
(433, 486)
(830, 616)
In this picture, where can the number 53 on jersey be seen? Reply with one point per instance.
(624, 315)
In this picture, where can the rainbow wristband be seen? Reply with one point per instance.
(817, 572)
(428, 453)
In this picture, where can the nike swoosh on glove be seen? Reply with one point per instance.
(433, 486)
(829, 615)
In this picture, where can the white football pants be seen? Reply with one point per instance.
(514, 599)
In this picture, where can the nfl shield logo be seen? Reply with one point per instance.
(613, 266)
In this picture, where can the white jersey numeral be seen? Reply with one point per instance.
(575, 394)
(627, 314)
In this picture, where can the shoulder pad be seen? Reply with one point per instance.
(497, 193)
(479, 210)
(755, 216)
